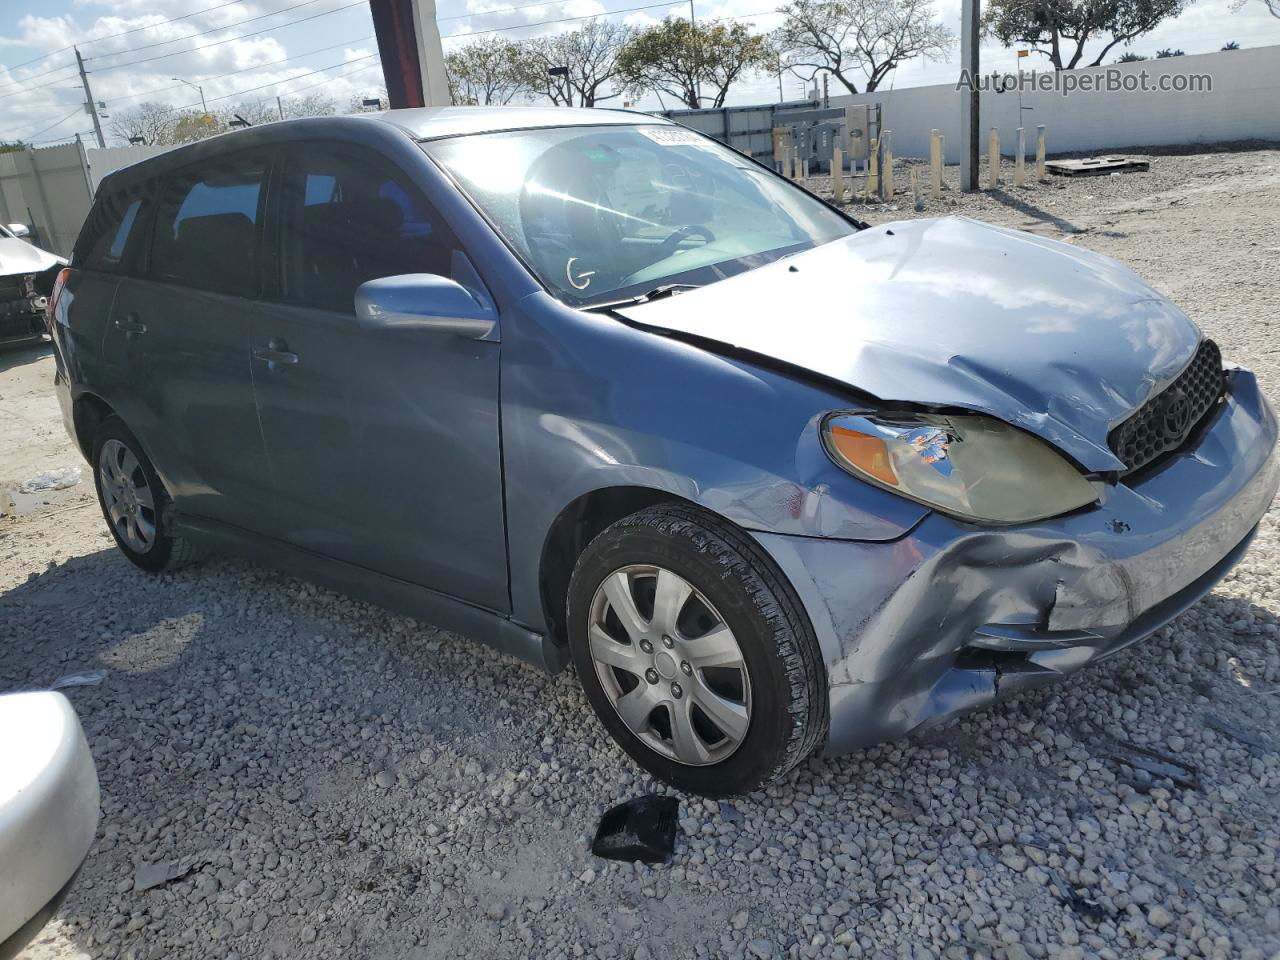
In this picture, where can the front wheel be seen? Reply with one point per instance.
(695, 653)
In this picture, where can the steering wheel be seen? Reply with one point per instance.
(668, 246)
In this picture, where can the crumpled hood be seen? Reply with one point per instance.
(20, 257)
(952, 312)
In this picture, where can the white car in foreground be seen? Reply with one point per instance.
(48, 811)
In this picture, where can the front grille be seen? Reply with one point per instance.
(1164, 422)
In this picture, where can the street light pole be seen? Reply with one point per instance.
(203, 106)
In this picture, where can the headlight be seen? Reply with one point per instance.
(971, 466)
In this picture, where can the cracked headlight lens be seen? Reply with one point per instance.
(970, 466)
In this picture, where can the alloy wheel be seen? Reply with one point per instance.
(670, 665)
(130, 503)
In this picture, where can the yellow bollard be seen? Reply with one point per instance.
(935, 164)
(1020, 161)
(993, 159)
(837, 175)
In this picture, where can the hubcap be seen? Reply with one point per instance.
(127, 497)
(670, 665)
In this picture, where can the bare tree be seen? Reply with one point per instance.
(357, 103)
(858, 40)
(487, 72)
(588, 57)
(1059, 29)
(149, 121)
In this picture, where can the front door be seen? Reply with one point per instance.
(384, 448)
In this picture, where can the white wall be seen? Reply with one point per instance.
(1244, 104)
(51, 188)
(104, 161)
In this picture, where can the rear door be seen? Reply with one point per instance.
(181, 330)
(384, 447)
(113, 238)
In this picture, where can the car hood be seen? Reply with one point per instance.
(952, 312)
(20, 257)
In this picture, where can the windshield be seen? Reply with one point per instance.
(606, 213)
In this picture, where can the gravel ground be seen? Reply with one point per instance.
(341, 782)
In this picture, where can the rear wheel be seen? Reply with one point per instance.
(134, 502)
(694, 651)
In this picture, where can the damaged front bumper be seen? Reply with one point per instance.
(953, 616)
(22, 310)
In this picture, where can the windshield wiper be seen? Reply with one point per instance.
(657, 293)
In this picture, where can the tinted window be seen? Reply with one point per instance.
(206, 233)
(109, 230)
(351, 217)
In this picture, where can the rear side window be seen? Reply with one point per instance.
(206, 233)
(349, 216)
(113, 228)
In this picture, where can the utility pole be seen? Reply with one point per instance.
(280, 106)
(969, 103)
(90, 104)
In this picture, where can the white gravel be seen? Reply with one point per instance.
(347, 783)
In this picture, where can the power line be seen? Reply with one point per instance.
(256, 66)
(201, 33)
(242, 36)
(56, 123)
(122, 33)
(113, 66)
(205, 46)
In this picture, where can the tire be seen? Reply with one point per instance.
(662, 680)
(134, 501)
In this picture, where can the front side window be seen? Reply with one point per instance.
(350, 217)
(206, 226)
(603, 213)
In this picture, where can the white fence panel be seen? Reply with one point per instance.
(1240, 106)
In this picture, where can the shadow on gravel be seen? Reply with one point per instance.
(11, 357)
(1015, 202)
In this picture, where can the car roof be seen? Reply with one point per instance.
(419, 123)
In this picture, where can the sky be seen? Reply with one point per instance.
(252, 50)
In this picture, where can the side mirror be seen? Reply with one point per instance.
(424, 301)
(20, 230)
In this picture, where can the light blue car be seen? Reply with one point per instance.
(589, 386)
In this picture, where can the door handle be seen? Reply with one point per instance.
(131, 325)
(275, 354)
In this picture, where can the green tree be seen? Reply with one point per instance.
(1166, 53)
(1130, 57)
(695, 63)
(1059, 29)
(1231, 45)
(858, 40)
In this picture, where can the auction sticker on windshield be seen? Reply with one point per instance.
(671, 136)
